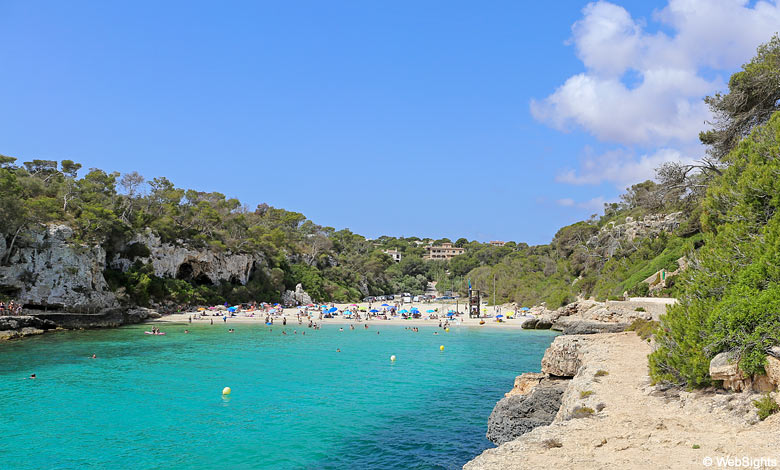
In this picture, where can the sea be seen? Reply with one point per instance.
(327, 399)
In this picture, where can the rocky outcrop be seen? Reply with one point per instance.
(564, 357)
(576, 326)
(23, 325)
(48, 269)
(649, 225)
(725, 367)
(296, 297)
(183, 262)
(517, 414)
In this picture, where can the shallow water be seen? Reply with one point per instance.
(154, 402)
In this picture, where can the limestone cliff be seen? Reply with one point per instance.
(50, 270)
(184, 262)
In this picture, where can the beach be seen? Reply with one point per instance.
(291, 314)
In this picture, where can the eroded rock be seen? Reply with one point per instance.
(563, 358)
(515, 415)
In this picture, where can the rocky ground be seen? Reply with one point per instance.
(611, 417)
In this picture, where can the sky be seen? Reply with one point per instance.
(499, 120)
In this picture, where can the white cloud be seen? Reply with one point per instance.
(619, 167)
(566, 202)
(595, 204)
(665, 105)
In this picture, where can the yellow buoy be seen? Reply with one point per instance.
(447, 330)
(441, 348)
(392, 358)
(226, 391)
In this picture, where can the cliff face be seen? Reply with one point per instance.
(183, 262)
(50, 270)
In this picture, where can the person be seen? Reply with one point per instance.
(212, 320)
(284, 321)
(186, 331)
(32, 376)
(337, 350)
(94, 356)
(224, 318)
(341, 329)
(190, 318)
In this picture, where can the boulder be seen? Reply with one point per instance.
(296, 297)
(545, 322)
(515, 415)
(724, 366)
(563, 358)
(772, 368)
(529, 323)
(526, 382)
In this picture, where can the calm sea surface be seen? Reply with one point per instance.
(155, 402)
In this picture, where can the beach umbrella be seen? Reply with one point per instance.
(430, 311)
(310, 305)
(363, 309)
(231, 309)
(451, 314)
(353, 305)
(499, 316)
(385, 305)
(373, 310)
(332, 310)
(525, 309)
(404, 311)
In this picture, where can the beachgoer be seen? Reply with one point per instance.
(32, 376)
(94, 356)
(337, 350)
(284, 321)
(212, 320)
(190, 318)
(186, 331)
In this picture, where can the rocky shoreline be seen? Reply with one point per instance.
(35, 323)
(593, 406)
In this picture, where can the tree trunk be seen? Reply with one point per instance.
(11, 246)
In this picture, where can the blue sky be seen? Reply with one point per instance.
(401, 118)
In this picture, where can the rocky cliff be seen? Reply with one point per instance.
(183, 262)
(49, 270)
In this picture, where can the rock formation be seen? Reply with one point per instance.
(296, 297)
(517, 414)
(49, 270)
(183, 262)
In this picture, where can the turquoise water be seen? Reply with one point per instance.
(154, 402)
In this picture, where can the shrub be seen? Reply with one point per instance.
(582, 412)
(586, 393)
(640, 309)
(766, 406)
(601, 373)
(551, 443)
(696, 446)
(643, 328)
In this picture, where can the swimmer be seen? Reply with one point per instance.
(186, 331)
(436, 332)
(231, 330)
(94, 356)
(341, 329)
(295, 332)
(337, 350)
(32, 376)
(284, 333)
(377, 332)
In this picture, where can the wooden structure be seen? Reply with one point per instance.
(474, 303)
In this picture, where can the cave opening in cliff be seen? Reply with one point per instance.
(187, 272)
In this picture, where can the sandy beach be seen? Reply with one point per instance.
(291, 314)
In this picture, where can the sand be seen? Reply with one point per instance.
(291, 315)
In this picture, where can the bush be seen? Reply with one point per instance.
(601, 373)
(766, 406)
(640, 309)
(551, 443)
(586, 393)
(582, 412)
(643, 328)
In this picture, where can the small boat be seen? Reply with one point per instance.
(156, 334)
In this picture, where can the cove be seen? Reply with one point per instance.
(155, 402)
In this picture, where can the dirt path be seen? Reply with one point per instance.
(640, 430)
